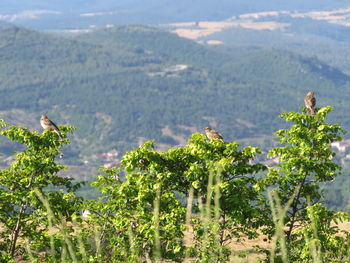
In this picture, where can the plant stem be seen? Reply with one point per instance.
(17, 229)
(295, 209)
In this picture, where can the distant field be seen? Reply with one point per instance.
(197, 30)
(205, 28)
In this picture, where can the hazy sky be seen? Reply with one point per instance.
(43, 14)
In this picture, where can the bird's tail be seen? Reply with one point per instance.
(58, 133)
(311, 111)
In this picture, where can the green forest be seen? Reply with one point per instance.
(123, 79)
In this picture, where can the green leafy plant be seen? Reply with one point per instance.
(142, 210)
(23, 218)
(210, 190)
(306, 160)
(151, 175)
(319, 238)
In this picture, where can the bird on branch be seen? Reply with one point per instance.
(48, 125)
(310, 102)
(213, 134)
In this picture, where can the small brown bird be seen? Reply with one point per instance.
(310, 102)
(48, 125)
(213, 134)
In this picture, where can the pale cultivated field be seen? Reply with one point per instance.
(196, 30)
(205, 28)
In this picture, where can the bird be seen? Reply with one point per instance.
(212, 134)
(310, 102)
(48, 125)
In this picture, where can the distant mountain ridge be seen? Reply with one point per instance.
(77, 14)
(127, 84)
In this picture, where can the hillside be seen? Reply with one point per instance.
(127, 84)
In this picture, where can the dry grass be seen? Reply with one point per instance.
(344, 226)
(242, 246)
(246, 246)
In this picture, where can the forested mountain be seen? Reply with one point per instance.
(127, 84)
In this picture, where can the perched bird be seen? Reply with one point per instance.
(48, 125)
(310, 102)
(212, 134)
